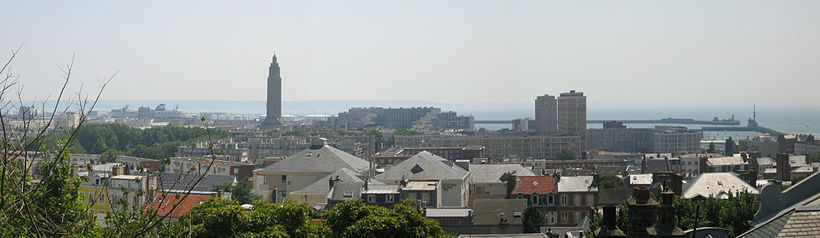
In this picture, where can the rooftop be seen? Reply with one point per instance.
(492, 173)
(576, 184)
(716, 185)
(321, 159)
(535, 184)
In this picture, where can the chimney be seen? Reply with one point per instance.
(783, 167)
(704, 167)
(641, 212)
(643, 165)
(609, 227)
(665, 227)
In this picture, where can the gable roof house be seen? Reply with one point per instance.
(794, 212)
(453, 179)
(717, 185)
(302, 169)
(489, 181)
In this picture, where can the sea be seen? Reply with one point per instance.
(793, 120)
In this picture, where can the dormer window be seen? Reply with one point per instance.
(416, 169)
(534, 199)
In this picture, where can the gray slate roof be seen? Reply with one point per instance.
(576, 184)
(186, 181)
(716, 185)
(424, 165)
(798, 222)
(322, 186)
(491, 173)
(324, 159)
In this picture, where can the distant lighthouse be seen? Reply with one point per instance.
(274, 112)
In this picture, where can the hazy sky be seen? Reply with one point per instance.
(620, 53)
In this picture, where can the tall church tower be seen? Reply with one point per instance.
(274, 113)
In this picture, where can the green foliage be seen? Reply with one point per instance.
(356, 219)
(241, 192)
(532, 220)
(341, 132)
(154, 143)
(731, 148)
(610, 181)
(711, 148)
(50, 207)
(814, 158)
(565, 154)
(734, 213)
(110, 155)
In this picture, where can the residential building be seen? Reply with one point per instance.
(540, 192)
(572, 115)
(577, 196)
(717, 185)
(546, 115)
(177, 182)
(661, 139)
(381, 194)
(341, 185)
(428, 172)
(489, 181)
(498, 147)
(209, 166)
(303, 169)
(395, 155)
(794, 212)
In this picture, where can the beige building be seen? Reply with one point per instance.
(302, 169)
(572, 116)
(449, 180)
(501, 146)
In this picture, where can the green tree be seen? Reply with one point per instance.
(356, 219)
(814, 157)
(565, 154)
(731, 148)
(241, 192)
(109, 155)
(610, 181)
(711, 148)
(532, 220)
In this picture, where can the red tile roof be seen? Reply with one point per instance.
(164, 206)
(533, 184)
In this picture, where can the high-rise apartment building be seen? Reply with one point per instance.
(572, 114)
(545, 115)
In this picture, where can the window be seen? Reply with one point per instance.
(577, 217)
(564, 217)
(284, 178)
(371, 198)
(517, 214)
(577, 200)
(348, 194)
(534, 199)
(552, 218)
(590, 200)
(550, 199)
(235, 170)
(389, 198)
(563, 200)
(102, 199)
